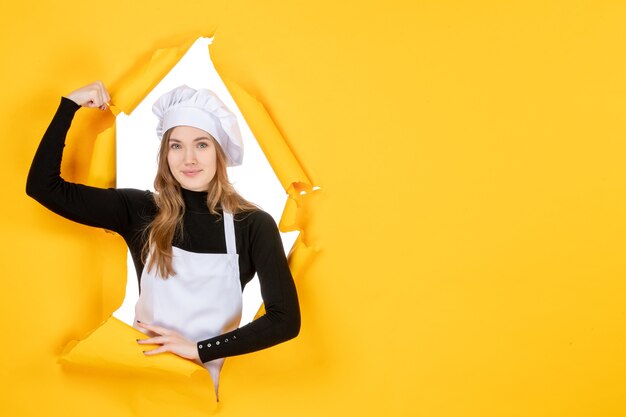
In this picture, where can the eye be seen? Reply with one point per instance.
(175, 146)
(203, 145)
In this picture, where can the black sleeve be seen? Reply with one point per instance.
(110, 208)
(281, 320)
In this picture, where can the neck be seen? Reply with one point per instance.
(195, 200)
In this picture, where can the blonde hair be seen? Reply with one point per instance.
(167, 225)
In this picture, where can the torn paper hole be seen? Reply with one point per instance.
(137, 147)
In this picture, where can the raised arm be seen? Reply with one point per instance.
(281, 320)
(92, 95)
(106, 208)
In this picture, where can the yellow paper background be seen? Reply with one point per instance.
(470, 224)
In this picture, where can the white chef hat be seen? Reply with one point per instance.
(201, 108)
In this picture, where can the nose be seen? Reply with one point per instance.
(190, 156)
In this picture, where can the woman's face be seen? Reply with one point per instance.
(191, 157)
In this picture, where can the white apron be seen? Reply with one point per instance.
(201, 301)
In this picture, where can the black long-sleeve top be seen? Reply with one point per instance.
(128, 211)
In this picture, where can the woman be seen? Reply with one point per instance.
(195, 242)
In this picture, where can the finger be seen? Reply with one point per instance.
(94, 98)
(103, 96)
(95, 95)
(160, 349)
(107, 96)
(154, 340)
(97, 85)
(157, 329)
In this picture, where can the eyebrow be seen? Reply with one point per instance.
(195, 140)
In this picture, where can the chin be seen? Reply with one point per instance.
(191, 185)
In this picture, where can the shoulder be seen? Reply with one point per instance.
(257, 224)
(255, 218)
